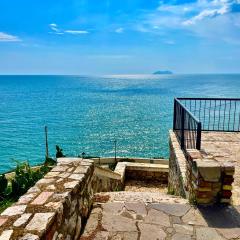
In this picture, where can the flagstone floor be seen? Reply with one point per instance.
(158, 216)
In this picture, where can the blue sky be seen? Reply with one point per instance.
(119, 37)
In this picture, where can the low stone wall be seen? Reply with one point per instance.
(201, 179)
(208, 181)
(105, 180)
(177, 168)
(142, 171)
(147, 175)
(57, 206)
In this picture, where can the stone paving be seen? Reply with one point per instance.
(158, 216)
(224, 147)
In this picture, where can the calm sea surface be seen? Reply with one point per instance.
(86, 114)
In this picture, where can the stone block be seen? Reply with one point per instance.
(29, 236)
(227, 187)
(26, 198)
(204, 233)
(3, 220)
(226, 194)
(42, 198)
(40, 222)
(71, 185)
(22, 220)
(15, 210)
(81, 169)
(209, 170)
(194, 154)
(77, 176)
(6, 235)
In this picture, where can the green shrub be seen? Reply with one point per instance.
(3, 185)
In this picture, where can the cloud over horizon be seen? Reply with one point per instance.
(4, 37)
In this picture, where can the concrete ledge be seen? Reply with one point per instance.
(102, 161)
(142, 170)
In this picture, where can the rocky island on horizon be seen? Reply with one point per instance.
(163, 72)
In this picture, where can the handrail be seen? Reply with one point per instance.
(194, 115)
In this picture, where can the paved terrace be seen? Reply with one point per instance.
(157, 216)
(224, 147)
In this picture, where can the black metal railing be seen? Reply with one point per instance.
(186, 126)
(194, 115)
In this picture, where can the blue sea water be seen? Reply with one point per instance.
(86, 114)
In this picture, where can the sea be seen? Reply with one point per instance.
(92, 114)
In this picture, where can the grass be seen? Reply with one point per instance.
(5, 204)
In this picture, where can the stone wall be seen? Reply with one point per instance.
(208, 181)
(177, 168)
(147, 175)
(58, 205)
(201, 179)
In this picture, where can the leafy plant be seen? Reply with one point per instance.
(3, 185)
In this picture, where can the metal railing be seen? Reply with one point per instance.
(194, 115)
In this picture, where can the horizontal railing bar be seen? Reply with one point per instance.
(187, 110)
(189, 98)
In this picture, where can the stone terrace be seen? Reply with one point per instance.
(224, 147)
(156, 216)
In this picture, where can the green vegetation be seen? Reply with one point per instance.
(24, 177)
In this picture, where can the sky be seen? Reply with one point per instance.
(98, 37)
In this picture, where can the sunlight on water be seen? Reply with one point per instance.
(86, 114)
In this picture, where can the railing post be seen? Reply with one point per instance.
(182, 128)
(174, 114)
(199, 132)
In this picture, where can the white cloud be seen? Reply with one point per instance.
(54, 27)
(76, 32)
(119, 30)
(56, 30)
(4, 37)
(208, 13)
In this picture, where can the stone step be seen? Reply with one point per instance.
(146, 197)
(147, 215)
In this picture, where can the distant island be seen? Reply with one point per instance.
(163, 72)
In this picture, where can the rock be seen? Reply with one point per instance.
(45, 181)
(40, 222)
(157, 217)
(81, 169)
(205, 233)
(34, 189)
(149, 231)
(77, 176)
(15, 210)
(209, 170)
(60, 169)
(113, 207)
(72, 223)
(182, 228)
(22, 220)
(6, 235)
(194, 217)
(3, 220)
(181, 236)
(138, 208)
(78, 228)
(71, 185)
(230, 233)
(92, 222)
(42, 198)
(52, 174)
(171, 208)
(117, 223)
(26, 198)
(29, 236)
